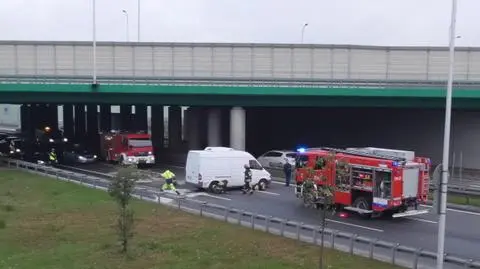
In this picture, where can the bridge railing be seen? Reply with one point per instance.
(265, 82)
(236, 61)
(394, 253)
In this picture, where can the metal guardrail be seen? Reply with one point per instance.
(351, 243)
(236, 82)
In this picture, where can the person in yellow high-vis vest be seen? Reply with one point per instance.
(52, 156)
(170, 181)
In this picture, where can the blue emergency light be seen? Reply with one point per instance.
(301, 150)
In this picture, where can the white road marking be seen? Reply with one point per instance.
(144, 181)
(196, 194)
(422, 220)
(267, 192)
(283, 183)
(475, 186)
(355, 225)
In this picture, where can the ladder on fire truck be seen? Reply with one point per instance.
(364, 154)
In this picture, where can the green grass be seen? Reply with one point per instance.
(52, 224)
(460, 199)
(463, 200)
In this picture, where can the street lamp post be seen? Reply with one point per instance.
(138, 23)
(446, 143)
(303, 30)
(94, 75)
(127, 26)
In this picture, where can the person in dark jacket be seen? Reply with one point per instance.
(287, 170)
(248, 180)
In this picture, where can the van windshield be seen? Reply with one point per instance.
(139, 143)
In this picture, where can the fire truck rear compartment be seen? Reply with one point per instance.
(411, 174)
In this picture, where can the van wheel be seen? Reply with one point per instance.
(213, 187)
(262, 184)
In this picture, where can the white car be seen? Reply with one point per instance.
(276, 158)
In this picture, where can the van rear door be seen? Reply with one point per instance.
(192, 167)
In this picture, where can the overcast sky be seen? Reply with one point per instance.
(374, 22)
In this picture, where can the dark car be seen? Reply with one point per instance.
(12, 146)
(76, 153)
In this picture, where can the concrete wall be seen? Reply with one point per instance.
(233, 61)
(9, 115)
(419, 130)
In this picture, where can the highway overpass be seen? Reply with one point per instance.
(283, 94)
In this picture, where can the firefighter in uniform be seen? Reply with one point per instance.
(248, 180)
(52, 156)
(170, 181)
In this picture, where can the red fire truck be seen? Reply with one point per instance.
(370, 181)
(127, 148)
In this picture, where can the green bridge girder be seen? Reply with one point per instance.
(207, 95)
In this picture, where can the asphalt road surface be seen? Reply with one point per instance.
(462, 235)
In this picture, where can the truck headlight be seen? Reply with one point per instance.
(11, 151)
(17, 150)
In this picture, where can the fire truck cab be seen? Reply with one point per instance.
(370, 181)
(127, 148)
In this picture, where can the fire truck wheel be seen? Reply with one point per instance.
(361, 203)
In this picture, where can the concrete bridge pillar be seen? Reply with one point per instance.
(80, 122)
(126, 117)
(141, 118)
(68, 125)
(93, 140)
(26, 119)
(158, 130)
(105, 118)
(193, 116)
(214, 127)
(237, 128)
(174, 127)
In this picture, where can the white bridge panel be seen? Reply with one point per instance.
(7, 60)
(230, 61)
(407, 65)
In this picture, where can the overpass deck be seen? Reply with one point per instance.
(230, 74)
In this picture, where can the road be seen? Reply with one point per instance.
(462, 235)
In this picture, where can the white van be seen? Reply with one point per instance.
(206, 168)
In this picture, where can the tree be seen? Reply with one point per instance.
(121, 189)
(319, 193)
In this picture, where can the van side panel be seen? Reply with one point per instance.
(214, 168)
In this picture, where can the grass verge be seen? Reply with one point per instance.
(54, 224)
(460, 199)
